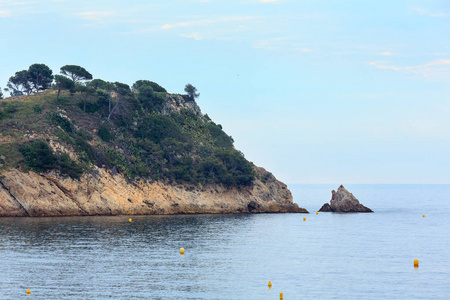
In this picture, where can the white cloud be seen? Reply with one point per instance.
(198, 23)
(95, 15)
(267, 1)
(304, 50)
(5, 13)
(426, 13)
(435, 70)
(385, 53)
(289, 43)
(196, 36)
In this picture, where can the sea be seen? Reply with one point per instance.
(325, 256)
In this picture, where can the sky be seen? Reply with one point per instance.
(315, 91)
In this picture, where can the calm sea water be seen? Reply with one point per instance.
(328, 256)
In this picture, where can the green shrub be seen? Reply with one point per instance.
(63, 136)
(156, 87)
(7, 109)
(157, 128)
(84, 149)
(149, 99)
(37, 109)
(12, 155)
(221, 139)
(69, 167)
(11, 107)
(38, 156)
(62, 122)
(91, 107)
(239, 170)
(104, 134)
(85, 135)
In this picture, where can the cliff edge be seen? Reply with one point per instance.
(31, 194)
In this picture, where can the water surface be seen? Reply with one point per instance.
(328, 256)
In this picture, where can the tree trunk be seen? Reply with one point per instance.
(112, 110)
(57, 96)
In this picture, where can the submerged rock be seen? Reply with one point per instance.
(343, 201)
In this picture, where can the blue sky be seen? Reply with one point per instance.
(314, 91)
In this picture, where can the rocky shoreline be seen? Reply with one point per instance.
(28, 194)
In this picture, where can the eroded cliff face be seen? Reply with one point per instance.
(31, 194)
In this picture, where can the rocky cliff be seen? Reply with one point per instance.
(32, 194)
(126, 152)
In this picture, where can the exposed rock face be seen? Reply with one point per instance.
(343, 201)
(326, 208)
(177, 103)
(31, 194)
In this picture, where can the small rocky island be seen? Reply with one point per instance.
(343, 201)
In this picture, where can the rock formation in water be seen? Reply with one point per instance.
(343, 201)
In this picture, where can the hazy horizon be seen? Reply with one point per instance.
(313, 91)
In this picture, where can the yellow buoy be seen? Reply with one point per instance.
(269, 284)
(416, 263)
(304, 218)
(181, 250)
(129, 220)
(317, 212)
(423, 216)
(281, 295)
(28, 291)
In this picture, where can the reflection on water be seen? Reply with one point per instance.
(328, 256)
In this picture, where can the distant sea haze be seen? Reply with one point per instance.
(327, 256)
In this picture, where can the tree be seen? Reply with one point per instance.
(85, 92)
(38, 156)
(63, 83)
(18, 84)
(39, 77)
(122, 93)
(149, 99)
(76, 73)
(191, 91)
(1, 94)
(156, 87)
(100, 84)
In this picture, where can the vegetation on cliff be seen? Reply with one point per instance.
(68, 123)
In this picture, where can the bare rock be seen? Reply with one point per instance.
(176, 103)
(326, 208)
(343, 201)
(109, 193)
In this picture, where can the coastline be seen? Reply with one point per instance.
(44, 195)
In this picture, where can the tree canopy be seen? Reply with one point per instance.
(100, 84)
(156, 87)
(191, 91)
(63, 83)
(39, 77)
(76, 73)
(85, 92)
(18, 84)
